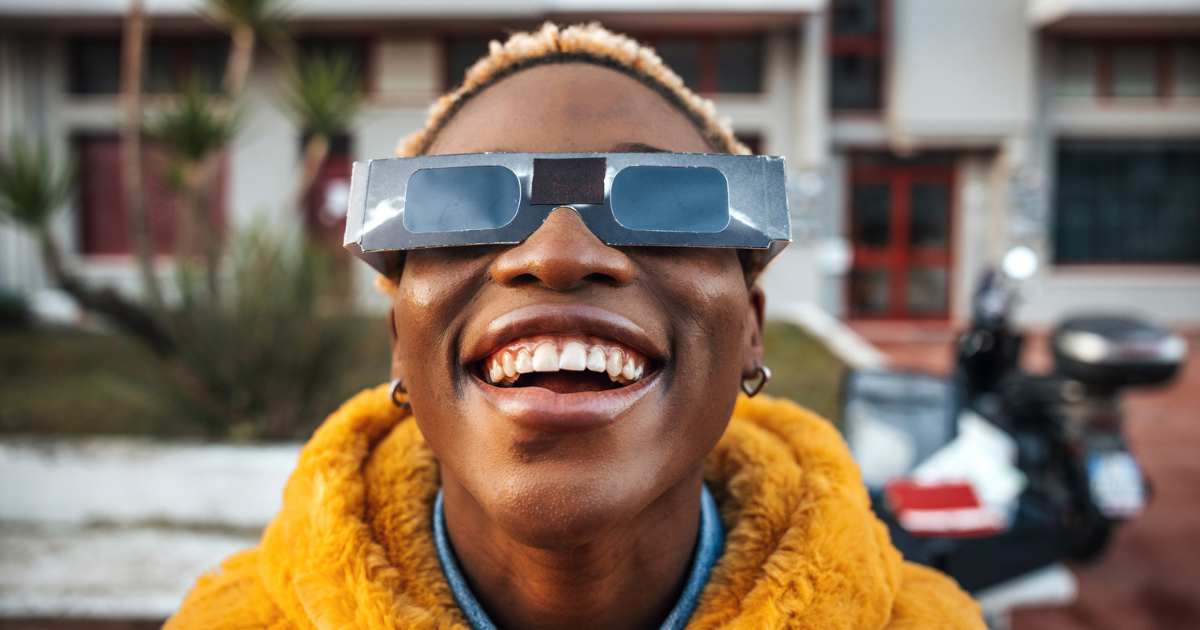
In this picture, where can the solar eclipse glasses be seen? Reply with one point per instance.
(664, 199)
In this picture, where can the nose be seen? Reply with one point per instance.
(562, 254)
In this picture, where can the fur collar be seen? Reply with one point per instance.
(802, 548)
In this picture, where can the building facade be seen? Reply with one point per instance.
(923, 137)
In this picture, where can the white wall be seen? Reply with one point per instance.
(264, 154)
(794, 276)
(125, 482)
(1163, 295)
(971, 222)
(960, 69)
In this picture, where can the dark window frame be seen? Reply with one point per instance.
(866, 47)
(1057, 218)
(448, 69)
(182, 48)
(708, 81)
(753, 141)
(1105, 47)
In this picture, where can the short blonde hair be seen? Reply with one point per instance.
(586, 43)
(582, 43)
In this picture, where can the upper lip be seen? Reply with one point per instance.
(561, 320)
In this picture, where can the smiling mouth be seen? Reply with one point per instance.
(565, 364)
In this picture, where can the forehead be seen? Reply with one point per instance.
(570, 108)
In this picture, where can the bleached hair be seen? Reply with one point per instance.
(587, 43)
(583, 43)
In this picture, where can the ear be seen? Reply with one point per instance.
(397, 363)
(752, 355)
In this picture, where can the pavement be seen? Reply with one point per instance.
(106, 572)
(1149, 578)
(102, 533)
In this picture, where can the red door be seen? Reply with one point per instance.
(900, 217)
(103, 227)
(328, 198)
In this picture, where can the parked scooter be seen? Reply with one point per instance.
(995, 472)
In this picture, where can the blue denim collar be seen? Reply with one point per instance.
(712, 539)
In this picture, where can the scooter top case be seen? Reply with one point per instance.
(1113, 352)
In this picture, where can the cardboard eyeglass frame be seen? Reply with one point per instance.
(757, 194)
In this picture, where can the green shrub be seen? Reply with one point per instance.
(269, 359)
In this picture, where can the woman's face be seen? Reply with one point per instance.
(559, 458)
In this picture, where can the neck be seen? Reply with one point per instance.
(627, 577)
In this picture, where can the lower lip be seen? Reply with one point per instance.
(541, 408)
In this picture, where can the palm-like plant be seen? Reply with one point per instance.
(32, 191)
(195, 128)
(194, 131)
(324, 95)
(247, 21)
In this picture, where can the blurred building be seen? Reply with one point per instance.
(924, 137)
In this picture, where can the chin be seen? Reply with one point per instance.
(552, 511)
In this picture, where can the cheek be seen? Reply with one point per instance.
(708, 294)
(432, 296)
(708, 300)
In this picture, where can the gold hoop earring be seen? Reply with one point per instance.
(398, 388)
(764, 373)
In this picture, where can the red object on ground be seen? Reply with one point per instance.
(941, 509)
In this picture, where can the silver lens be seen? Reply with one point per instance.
(461, 198)
(671, 199)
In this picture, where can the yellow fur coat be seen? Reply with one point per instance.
(353, 545)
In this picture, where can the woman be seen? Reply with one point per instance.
(520, 495)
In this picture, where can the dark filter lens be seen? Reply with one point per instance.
(671, 199)
(461, 198)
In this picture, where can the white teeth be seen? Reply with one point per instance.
(497, 372)
(596, 361)
(509, 364)
(574, 357)
(504, 368)
(524, 363)
(613, 367)
(545, 358)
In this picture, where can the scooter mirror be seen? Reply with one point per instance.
(1020, 263)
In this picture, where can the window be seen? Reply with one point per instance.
(856, 56)
(462, 53)
(1129, 69)
(683, 56)
(1187, 70)
(94, 64)
(753, 141)
(739, 66)
(1128, 202)
(171, 65)
(103, 227)
(712, 64)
